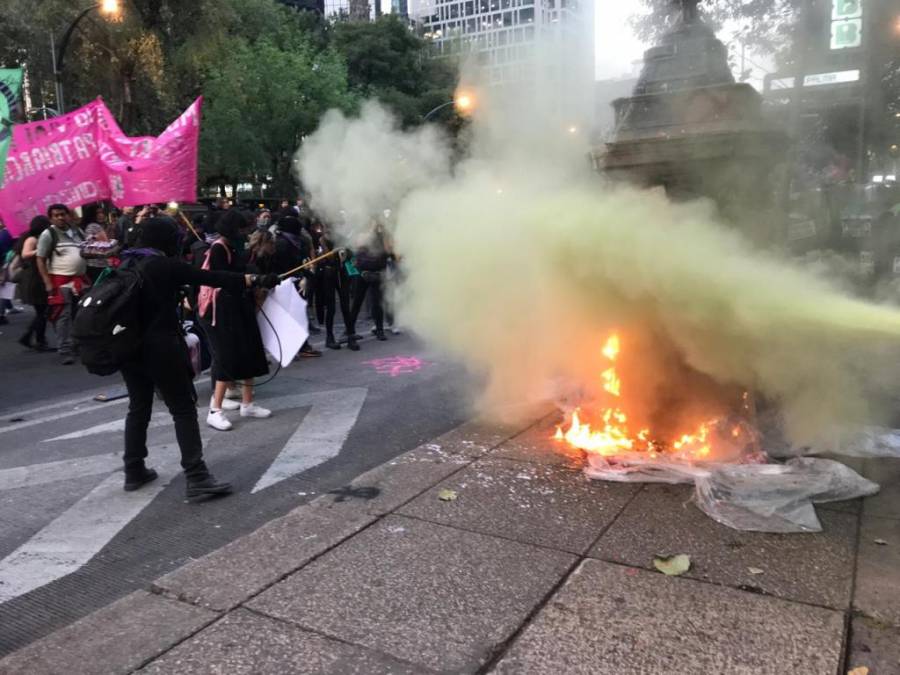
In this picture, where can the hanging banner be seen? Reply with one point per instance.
(10, 86)
(84, 157)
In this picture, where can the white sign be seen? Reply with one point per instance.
(283, 324)
(839, 77)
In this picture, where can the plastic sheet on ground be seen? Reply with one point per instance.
(756, 494)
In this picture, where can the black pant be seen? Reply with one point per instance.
(38, 325)
(363, 286)
(329, 284)
(176, 387)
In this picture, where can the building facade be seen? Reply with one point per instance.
(512, 41)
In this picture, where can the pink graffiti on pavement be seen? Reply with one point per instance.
(396, 365)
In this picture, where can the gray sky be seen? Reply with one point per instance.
(615, 46)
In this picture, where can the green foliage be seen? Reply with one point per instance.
(385, 60)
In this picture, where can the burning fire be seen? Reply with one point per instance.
(612, 436)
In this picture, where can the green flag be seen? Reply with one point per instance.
(10, 86)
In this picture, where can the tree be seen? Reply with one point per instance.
(387, 61)
(259, 106)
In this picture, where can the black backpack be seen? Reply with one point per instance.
(107, 326)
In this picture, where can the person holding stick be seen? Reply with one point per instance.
(229, 320)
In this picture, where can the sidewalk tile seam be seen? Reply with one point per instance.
(650, 568)
(542, 547)
(202, 628)
(500, 650)
(857, 613)
(157, 590)
(328, 636)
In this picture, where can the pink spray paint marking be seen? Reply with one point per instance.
(397, 365)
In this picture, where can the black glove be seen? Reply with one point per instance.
(267, 281)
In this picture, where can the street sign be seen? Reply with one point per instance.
(846, 24)
(846, 34)
(839, 77)
(846, 9)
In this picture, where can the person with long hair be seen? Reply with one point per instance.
(31, 286)
(229, 320)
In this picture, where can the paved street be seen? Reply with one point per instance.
(71, 541)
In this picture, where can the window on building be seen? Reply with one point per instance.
(526, 15)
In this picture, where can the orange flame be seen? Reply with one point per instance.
(613, 437)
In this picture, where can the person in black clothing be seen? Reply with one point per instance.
(31, 286)
(164, 364)
(229, 320)
(371, 259)
(332, 278)
(292, 250)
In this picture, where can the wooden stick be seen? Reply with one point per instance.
(307, 264)
(190, 227)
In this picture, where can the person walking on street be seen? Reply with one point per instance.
(332, 278)
(31, 286)
(371, 259)
(229, 320)
(6, 246)
(164, 363)
(62, 270)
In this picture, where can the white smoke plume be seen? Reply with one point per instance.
(519, 262)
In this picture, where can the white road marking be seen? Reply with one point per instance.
(321, 434)
(48, 406)
(76, 536)
(58, 416)
(159, 419)
(65, 469)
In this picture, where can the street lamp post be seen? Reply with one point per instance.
(108, 7)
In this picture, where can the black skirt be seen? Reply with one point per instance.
(235, 343)
(31, 286)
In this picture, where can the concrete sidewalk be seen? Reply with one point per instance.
(487, 551)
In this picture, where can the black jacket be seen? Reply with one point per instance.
(163, 279)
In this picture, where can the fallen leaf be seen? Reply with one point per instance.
(447, 495)
(859, 670)
(881, 542)
(672, 565)
(755, 570)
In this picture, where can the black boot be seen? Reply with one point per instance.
(352, 344)
(136, 478)
(202, 486)
(380, 336)
(331, 343)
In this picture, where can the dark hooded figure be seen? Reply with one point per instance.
(164, 364)
(229, 320)
(293, 247)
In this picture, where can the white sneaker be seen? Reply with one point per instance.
(227, 404)
(234, 393)
(253, 410)
(217, 420)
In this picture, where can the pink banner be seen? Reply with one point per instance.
(84, 157)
